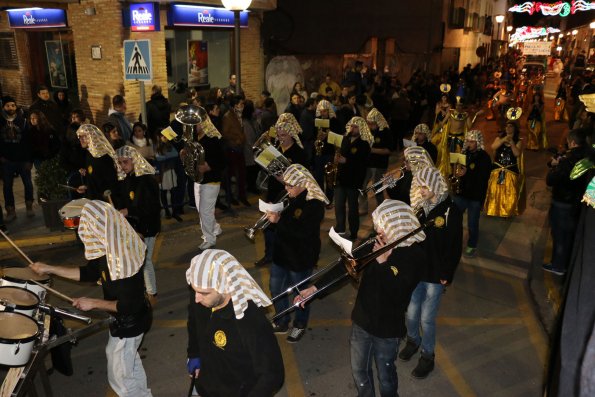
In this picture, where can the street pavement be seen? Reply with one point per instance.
(493, 324)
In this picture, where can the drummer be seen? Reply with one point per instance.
(116, 254)
(102, 170)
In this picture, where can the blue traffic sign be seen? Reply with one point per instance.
(137, 60)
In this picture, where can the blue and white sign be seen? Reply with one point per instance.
(137, 60)
(188, 15)
(144, 17)
(32, 18)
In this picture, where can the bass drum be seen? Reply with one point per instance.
(20, 276)
(18, 300)
(17, 337)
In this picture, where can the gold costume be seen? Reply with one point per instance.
(537, 136)
(506, 187)
(450, 141)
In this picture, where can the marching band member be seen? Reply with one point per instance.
(442, 111)
(115, 253)
(385, 287)
(416, 157)
(351, 171)
(324, 151)
(297, 243)
(232, 350)
(207, 191)
(102, 170)
(443, 245)
(139, 203)
(421, 136)
(537, 136)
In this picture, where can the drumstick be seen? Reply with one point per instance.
(67, 187)
(53, 291)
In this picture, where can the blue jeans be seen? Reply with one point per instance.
(9, 168)
(421, 313)
(281, 279)
(473, 210)
(347, 196)
(563, 221)
(364, 348)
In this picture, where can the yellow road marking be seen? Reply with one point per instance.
(41, 240)
(452, 373)
(471, 321)
(293, 380)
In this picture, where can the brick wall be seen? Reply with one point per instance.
(252, 58)
(17, 83)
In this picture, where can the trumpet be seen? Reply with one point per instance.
(387, 182)
(262, 223)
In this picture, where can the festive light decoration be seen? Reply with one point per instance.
(561, 8)
(525, 33)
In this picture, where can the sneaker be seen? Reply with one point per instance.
(470, 252)
(425, 365)
(280, 329)
(550, 268)
(218, 231)
(295, 334)
(408, 351)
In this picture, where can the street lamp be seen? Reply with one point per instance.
(499, 20)
(236, 6)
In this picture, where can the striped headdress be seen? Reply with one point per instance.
(105, 232)
(397, 219)
(325, 105)
(99, 146)
(423, 129)
(434, 181)
(209, 128)
(289, 124)
(298, 175)
(364, 130)
(417, 157)
(374, 116)
(474, 135)
(219, 270)
(141, 165)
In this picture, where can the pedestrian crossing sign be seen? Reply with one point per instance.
(137, 60)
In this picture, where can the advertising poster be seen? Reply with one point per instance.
(56, 65)
(198, 63)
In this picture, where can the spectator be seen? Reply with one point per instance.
(268, 117)
(252, 132)
(299, 89)
(234, 140)
(61, 99)
(166, 157)
(142, 143)
(49, 109)
(44, 140)
(329, 83)
(158, 111)
(113, 136)
(294, 106)
(231, 89)
(309, 132)
(117, 116)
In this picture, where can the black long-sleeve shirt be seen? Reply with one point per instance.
(101, 176)
(351, 174)
(214, 157)
(296, 155)
(564, 189)
(140, 195)
(475, 181)
(238, 357)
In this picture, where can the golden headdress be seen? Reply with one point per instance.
(141, 165)
(397, 219)
(474, 135)
(423, 129)
(99, 146)
(325, 105)
(209, 128)
(364, 130)
(374, 116)
(298, 175)
(105, 232)
(289, 124)
(219, 270)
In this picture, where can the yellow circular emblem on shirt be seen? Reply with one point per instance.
(395, 270)
(439, 221)
(220, 339)
(90, 169)
(131, 195)
(353, 150)
(472, 166)
(297, 213)
(377, 140)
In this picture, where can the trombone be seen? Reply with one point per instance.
(262, 223)
(387, 182)
(353, 268)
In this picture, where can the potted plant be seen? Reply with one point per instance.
(52, 196)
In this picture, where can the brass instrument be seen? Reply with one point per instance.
(387, 182)
(322, 125)
(262, 223)
(267, 156)
(331, 169)
(189, 116)
(455, 178)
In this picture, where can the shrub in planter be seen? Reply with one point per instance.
(52, 196)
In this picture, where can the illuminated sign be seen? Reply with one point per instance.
(144, 17)
(562, 8)
(31, 18)
(187, 15)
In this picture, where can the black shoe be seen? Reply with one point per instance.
(280, 329)
(408, 351)
(234, 202)
(245, 202)
(221, 206)
(425, 365)
(263, 262)
(295, 334)
(177, 217)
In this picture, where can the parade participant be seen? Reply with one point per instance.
(379, 154)
(324, 151)
(207, 191)
(500, 103)
(442, 110)
(289, 144)
(102, 170)
(443, 244)
(452, 137)
(232, 350)
(350, 164)
(422, 136)
(473, 183)
(115, 253)
(537, 136)
(385, 287)
(416, 158)
(297, 243)
(138, 201)
(233, 141)
(506, 184)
